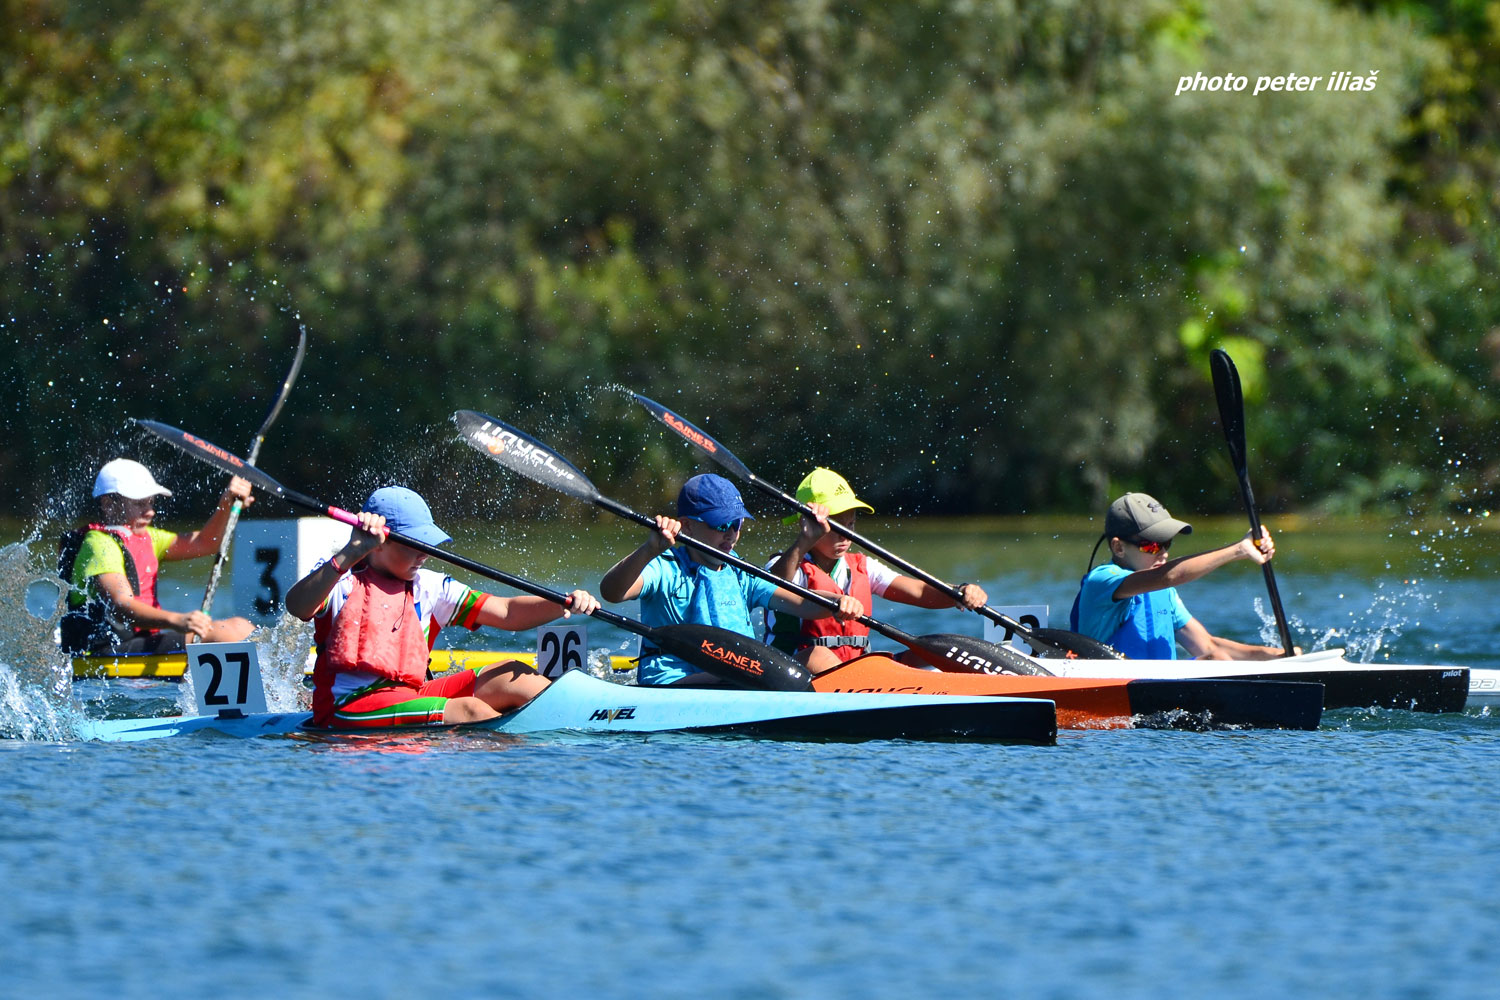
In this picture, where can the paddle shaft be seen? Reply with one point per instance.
(881, 552)
(1232, 416)
(889, 631)
(463, 562)
(260, 437)
(212, 454)
(723, 456)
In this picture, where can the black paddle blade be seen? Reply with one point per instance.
(965, 654)
(695, 437)
(1059, 643)
(736, 658)
(1231, 405)
(212, 454)
(520, 452)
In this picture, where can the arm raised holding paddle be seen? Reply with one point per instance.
(689, 586)
(114, 567)
(1131, 601)
(822, 558)
(376, 612)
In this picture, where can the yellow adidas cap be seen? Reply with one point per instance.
(827, 487)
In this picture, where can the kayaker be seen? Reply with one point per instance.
(113, 567)
(376, 613)
(1131, 602)
(819, 558)
(678, 585)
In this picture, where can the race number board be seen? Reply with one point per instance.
(271, 555)
(560, 648)
(1030, 615)
(226, 678)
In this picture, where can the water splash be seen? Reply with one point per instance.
(1370, 632)
(31, 603)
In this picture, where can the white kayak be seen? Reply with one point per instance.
(579, 702)
(1484, 687)
(1346, 684)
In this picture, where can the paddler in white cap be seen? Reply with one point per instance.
(113, 567)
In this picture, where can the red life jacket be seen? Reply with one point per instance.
(142, 551)
(846, 639)
(92, 623)
(375, 632)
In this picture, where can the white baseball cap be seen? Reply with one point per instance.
(130, 479)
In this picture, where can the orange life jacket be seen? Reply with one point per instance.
(375, 632)
(846, 639)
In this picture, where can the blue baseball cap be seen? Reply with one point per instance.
(407, 514)
(711, 499)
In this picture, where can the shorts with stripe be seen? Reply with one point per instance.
(391, 703)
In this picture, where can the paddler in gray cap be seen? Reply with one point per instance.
(1131, 601)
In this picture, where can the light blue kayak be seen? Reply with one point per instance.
(581, 703)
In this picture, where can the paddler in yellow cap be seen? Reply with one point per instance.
(820, 558)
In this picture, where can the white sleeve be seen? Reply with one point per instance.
(438, 597)
(334, 602)
(881, 576)
(799, 577)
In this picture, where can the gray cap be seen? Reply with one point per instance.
(1137, 515)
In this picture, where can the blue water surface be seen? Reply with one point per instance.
(1351, 861)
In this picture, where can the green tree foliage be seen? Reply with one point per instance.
(972, 254)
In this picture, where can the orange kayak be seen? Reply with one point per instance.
(1103, 702)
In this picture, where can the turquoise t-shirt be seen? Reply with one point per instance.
(675, 590)
(1143, 627)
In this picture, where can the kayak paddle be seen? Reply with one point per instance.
(729, 655)
(255, 443)
(1046, 641)
(1232, 416)
(522, 453)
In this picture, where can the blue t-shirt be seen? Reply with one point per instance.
(675, 590)
(1143, 627)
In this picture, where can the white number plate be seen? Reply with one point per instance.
(560, 648)
(226, 678)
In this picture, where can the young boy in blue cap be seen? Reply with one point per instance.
(1131, 601)
(679, 585)
(377, 612)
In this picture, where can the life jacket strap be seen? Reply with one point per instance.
(839, 640)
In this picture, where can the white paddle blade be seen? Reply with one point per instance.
(522, 453)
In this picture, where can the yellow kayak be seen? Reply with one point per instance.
(172, 666)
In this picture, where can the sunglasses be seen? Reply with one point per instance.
(725, 529)
(1152, 548)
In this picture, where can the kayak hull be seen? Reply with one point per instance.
(1102, 703)
(1413, 687)
(172, 666)
(1484, 687)
(579, 702)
